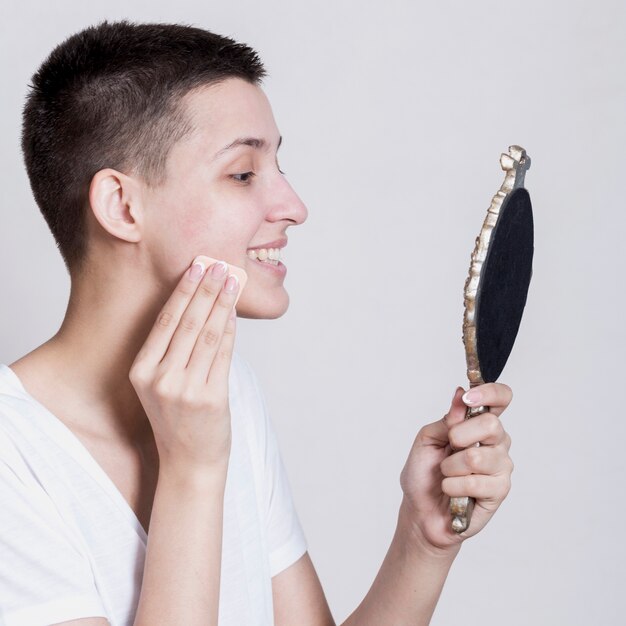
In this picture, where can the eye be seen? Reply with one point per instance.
(249, 174)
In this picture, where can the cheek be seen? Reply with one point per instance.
(193, 226)
(220, 234)
(177, 230)
(205, 219)
(193, 213)
(187, 206)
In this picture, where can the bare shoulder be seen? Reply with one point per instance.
(32, 376)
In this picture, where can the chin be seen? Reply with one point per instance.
(263, 308)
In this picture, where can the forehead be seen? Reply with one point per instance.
(230, 109)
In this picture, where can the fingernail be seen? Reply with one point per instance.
(231, 283)
(196, 271)
(219, 269)
(472, 397)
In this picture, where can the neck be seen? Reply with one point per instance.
(107, 321)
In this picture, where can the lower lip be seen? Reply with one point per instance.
(279, 270)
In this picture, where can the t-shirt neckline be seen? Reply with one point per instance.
(65, 438)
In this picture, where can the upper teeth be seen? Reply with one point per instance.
(265, 253)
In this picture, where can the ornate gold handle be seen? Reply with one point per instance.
(461, 507)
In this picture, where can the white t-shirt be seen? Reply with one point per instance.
(71, 546)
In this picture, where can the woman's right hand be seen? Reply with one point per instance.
(181, 373)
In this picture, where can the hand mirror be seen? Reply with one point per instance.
(495, 291)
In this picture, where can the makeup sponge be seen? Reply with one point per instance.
(239, 272)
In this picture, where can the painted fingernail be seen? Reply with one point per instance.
(231, 283)
(219, 269)
(472, 397)
(196, 271)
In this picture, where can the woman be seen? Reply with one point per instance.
(141, 477)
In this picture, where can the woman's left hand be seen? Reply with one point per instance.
(444, 462)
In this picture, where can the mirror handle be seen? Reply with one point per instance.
(461, 507)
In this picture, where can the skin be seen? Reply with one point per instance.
(142, 241)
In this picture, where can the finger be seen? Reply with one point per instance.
(217, 377)
(497, 396)
(155, 346)
(208, 344)
(437, 432)
(486, 428)
(194, 317)
(477, 486)
(507, 442)
(457, 411)
(482, 460)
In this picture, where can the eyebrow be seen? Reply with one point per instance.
(254, 142)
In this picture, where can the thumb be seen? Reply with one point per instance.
(456, 412)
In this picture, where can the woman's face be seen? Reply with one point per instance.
(222, 202)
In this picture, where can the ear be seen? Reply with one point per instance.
(115, 201)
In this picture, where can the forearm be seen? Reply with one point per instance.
(408, 584)
(181, 580)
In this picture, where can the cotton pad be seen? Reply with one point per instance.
(239, 272)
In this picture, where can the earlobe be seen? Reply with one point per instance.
(115, 202)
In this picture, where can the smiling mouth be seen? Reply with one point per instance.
(269, 256)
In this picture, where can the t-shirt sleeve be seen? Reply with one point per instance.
(286, 539)
(44, 579)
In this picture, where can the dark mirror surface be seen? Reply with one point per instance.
(503, 285)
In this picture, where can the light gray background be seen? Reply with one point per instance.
(394, 116)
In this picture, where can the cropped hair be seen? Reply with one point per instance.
(110, 96)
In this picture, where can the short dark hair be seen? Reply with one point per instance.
(109, 96)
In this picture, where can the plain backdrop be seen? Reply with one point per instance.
(394, 116)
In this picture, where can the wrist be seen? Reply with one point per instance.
(415, 540)
(194, 478)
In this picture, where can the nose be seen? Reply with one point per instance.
(285, 204)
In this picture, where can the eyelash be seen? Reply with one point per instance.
(251, 174)
(243, 182)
